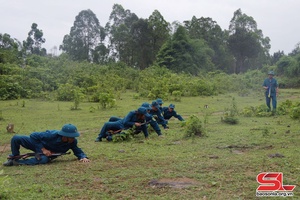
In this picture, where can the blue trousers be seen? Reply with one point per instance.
(274, 102)
(21, 140)
(114, 126)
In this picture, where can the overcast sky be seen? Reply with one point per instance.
(278, 19)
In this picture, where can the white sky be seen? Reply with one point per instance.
(278, 19)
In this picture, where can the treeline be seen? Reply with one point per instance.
(151, 56)
(193, 46)
(59, 78)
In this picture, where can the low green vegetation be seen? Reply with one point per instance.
(222, 165)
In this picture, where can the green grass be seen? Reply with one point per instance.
(124, 170)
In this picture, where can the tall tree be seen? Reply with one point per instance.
(160, 32)
(246, 42)
(34, 41)
(85, 35)
(119, 32)
(181, 54)
(208, 30)
(141, 53)
(276, 57)
(9, 49)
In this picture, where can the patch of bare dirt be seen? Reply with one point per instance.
(4, 148)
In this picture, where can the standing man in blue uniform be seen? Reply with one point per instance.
(133, 118)
(271, 91)
(169, 112)
(44, 144)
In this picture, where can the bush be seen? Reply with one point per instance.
(193, 127)
(107, 100)
(65, 92)
(295, 111)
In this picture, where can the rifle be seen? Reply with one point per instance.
(26, 155)
(111, 132)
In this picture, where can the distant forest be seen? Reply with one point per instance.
(151, 56)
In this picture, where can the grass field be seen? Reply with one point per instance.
(223, 165)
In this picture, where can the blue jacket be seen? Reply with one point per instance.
(160, 119)
(153, 123)
(167, 114)
(53, 142)
(271, 84)
(131, 119)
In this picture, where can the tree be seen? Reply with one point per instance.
(208, 30)
(141, 52)
(85, 35)
(246, 42)
(296, 50)
(160, 32)
(119, 32)
(34, 41)
(276, 57)
(181, 54)
(9, 49)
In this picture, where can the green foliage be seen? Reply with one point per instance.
(246, 41)
(78, 97)
(181, 54)
(84, 37)
(66, 92)
(34, 41)
(10, 87)
(257, 111)
(123, 136)
(295, 111)
(176, 95)
(107, 100)
(193, 127)
(284, 107)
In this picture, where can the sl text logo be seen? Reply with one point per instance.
(271, 184)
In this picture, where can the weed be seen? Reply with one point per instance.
(229, 116)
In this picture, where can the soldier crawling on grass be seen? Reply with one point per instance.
(169, 112)
(156, 113)
(45, 145)
(116, 125)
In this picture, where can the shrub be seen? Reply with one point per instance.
(295, 111)
(193, 127)
(177, 95)
(65, 92)
(107, 100)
